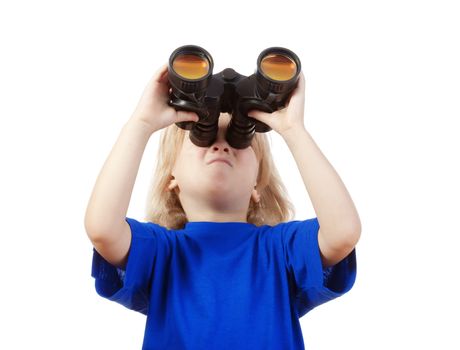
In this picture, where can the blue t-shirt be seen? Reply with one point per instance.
(223, 285)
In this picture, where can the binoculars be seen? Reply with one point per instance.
(194, 88)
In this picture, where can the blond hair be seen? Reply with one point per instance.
(163, 206)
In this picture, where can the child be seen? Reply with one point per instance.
(219, 263)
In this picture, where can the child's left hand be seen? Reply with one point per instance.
(291, 116)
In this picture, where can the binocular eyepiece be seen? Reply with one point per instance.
(194, 88)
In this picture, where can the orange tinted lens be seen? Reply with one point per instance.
(190, 66)
(278, 67)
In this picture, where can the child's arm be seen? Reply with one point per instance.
(340, 226)
(105, 218)
(105, 215)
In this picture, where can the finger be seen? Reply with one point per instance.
(301, 79)
(300, 82)
(161, 75)
(259, 115)
(185, 116)
(299, 89)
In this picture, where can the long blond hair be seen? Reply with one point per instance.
(163, 207)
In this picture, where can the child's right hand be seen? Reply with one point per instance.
(153, 109)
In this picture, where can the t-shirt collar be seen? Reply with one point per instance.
(212, 225)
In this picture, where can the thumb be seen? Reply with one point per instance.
(259, 115)
(185, 116)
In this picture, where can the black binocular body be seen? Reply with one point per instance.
(194, 88)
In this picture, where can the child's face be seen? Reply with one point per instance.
(200, 183)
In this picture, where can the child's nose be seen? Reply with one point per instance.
(220, 145)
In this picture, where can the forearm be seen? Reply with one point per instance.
(334, 208)
(111, 194)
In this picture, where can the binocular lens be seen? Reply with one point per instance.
(278, 67)
(190, 66)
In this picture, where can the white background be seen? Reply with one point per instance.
(382, 103)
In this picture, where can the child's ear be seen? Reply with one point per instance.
(172, 184)
(255, 196)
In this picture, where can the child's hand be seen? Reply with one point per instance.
(291, 116)
(153, 109)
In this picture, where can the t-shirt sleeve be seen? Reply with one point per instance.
(314, 285)
(129, 287)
